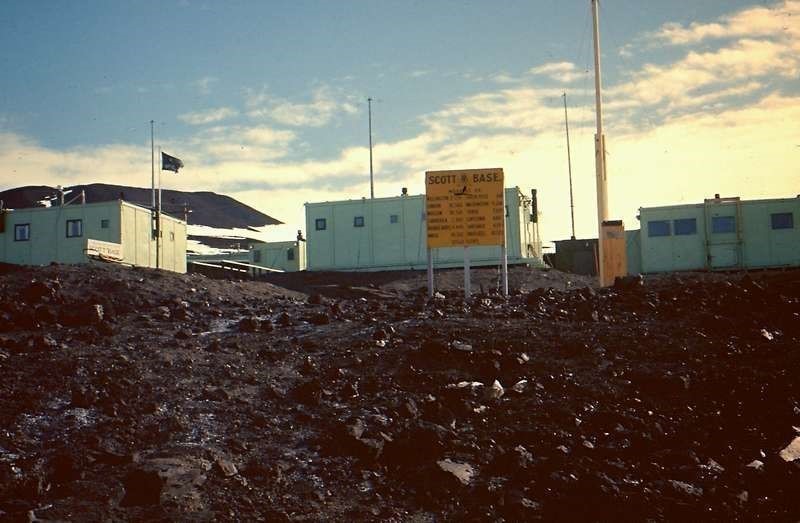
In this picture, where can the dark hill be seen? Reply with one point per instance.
(207, 208)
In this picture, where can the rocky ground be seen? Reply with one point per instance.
(134, 395)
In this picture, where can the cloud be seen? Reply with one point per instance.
(708, 121)
(203, 85)
(326, 103)
(678, 83)
(208, 116)
(240, 144)
(563, 72)
(770, 22)
(419, 73)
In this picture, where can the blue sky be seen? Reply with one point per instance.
(266, 101)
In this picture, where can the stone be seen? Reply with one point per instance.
(524, 456)
(226, 467)
(183, 334)
(494, 392)
(142, 487)
(464, 472)
(756, 465)
(249, 324)
(686, 488)
(315, 299)
(319, 318)
(460, 346)
(105, 329)
(520, 386)
(792, 450)
(42, 342)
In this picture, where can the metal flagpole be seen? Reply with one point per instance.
(152, 165)
(158, 215)
(371, 182)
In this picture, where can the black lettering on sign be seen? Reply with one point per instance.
(446, 178)
(486, 177)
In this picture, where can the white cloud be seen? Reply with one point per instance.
(239, 143)
(326, 103)
(770, 22)
(208, 116)
(563, 72)
(203, 85)
(679, 83)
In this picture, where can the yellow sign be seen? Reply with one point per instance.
(465, 208)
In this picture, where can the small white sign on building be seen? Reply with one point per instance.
(108, 250)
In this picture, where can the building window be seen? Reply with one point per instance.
(171, 236)
(321, 224)
(256, 256)
(290, 254)
(658, 228)
(723, 224)
(394, 218)
(74, 228)
(358, 221)
(782, 220)
(685, 226)
(104, 224)
(22, 232)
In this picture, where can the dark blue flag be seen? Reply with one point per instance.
(170, 163)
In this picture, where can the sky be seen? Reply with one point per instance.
(267, 101)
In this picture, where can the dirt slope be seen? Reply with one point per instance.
(132, 395)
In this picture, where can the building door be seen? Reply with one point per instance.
(723, 233)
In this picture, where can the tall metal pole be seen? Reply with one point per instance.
(152, 166)
(371, 182)
(569, 166)
(599, 149)
(158, 214)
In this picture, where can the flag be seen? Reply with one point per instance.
(170, 163)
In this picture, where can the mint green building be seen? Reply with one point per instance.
(70, 234)
(718, 234)
(288, 256)
(390, 234)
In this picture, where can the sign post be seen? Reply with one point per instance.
(430, 273)
(465, 208)
(466, 273)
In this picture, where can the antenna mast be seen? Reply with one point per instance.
(371, 182)
(569, 166)
(599, 150)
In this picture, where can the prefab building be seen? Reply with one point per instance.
(288, 256)
(391, 234)
(42, 235)
(718, 234)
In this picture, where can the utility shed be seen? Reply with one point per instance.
(575, 256)
(42, 235)
(718, 234)
(390, 234)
